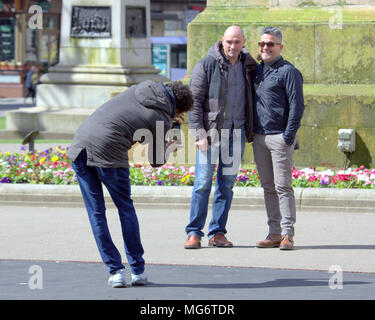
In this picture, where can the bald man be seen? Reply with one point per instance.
(221, 120)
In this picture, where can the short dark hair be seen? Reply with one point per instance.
(183, 95)
(273, 31)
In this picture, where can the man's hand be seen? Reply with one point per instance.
(202, 145)
(179, 118)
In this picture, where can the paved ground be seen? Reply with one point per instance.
(88, 281)
(13, 104)
(59, 242)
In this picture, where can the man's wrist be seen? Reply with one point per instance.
(288, 140)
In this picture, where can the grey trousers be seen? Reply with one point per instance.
(274, 160)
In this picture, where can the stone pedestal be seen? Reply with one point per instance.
(104, 47)
(331, 44)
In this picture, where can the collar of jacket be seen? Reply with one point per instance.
(219, 56)
(169, 93)
(276, 63)
(247, 60)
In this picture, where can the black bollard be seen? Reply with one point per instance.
(29, 138)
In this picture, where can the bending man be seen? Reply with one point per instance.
(99, 154)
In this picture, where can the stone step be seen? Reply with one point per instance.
(43, 135)
(44, 120)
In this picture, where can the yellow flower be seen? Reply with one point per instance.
(8, 154)
(60, 151)
(42, 160)
(185, 178)
(27, 159)
(55, 158)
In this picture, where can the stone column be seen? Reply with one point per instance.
(94, 63)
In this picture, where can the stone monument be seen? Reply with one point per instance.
(332, 43)
(104, 47)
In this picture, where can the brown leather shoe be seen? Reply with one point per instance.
(272, 241)
(286, 243)
(193, 242)
(219, 240)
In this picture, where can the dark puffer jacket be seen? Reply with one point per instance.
(209, 85)
(107, 134)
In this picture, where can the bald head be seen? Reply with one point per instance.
(234, 30)
(233, 42)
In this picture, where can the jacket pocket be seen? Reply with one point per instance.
(271, 82)
(212, 105)
(210, 120)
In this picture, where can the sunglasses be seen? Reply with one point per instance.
(270, 44)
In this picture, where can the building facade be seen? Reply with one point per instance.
(30, 34)
(169, 21)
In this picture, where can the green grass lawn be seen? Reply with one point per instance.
(2, 123)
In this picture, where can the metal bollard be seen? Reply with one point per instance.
(29, 138)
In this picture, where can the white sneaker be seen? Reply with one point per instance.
(139, 279)
(117, 280)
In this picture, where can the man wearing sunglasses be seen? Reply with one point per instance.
(278, 110)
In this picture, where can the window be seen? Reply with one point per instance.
(136, 22)
(6, 39)
(178, 56)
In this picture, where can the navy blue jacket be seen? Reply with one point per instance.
(278, 100)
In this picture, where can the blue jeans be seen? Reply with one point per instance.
(232, 147)
(117, 183)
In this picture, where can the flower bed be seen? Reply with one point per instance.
(47, 167)
(53, 167)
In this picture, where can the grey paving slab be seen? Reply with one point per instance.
(88, 281)
(7, 104)
(322, 239)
